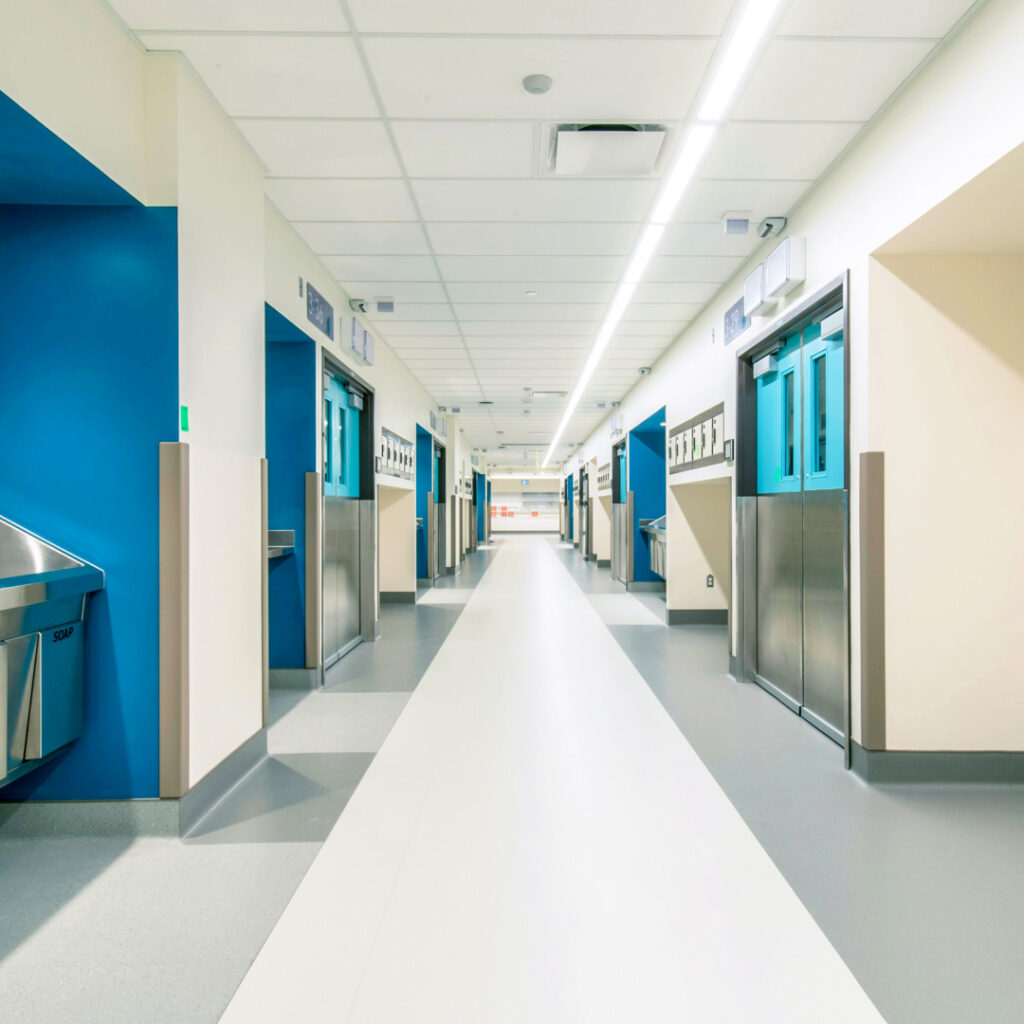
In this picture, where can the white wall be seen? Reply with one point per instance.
(72, 66)
(963, 111)
(221, 380)
(949, 373)
(396, 539)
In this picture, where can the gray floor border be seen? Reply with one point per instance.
(938, 766)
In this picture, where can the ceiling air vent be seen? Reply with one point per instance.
(606, 150)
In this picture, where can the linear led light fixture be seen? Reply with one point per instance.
(730, 69)
(737, 57)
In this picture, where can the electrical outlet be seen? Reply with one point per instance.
(710, 580)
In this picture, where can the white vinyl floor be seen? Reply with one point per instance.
(537, 843)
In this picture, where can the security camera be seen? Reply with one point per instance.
(644, 371)
(357, 305)
(771, 226)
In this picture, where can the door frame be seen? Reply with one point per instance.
(831, 297)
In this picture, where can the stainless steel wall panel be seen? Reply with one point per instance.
(341, 576)
(746, 589)
(780, 593)
(825, 611)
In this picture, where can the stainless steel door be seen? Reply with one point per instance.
(341, 577)
(780, 596)
(824, 610)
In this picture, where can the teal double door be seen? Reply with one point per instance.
(342, 558)
(802, 529)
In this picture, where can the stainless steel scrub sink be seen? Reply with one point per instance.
(43, 596)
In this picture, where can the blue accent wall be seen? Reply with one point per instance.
(647, 480)
(291, 423)
(88, 390)
(569, 498)
(482, 507)
(424, 480)
(37, 167)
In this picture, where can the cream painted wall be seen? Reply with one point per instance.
(949, 374)
(602, 527)
(396, 540)
(699, 537)
(963, 111)
(73, 67)
(221, 380)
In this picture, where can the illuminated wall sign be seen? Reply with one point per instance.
(319, 311)
(735, 321)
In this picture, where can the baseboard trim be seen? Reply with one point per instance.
(398, 597)
(167, 818)
(646, 587)
(938, 766)
(700, 617)
(604, 563)
(294, 678)
(219, 781)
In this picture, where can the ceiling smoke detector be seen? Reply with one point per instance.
(537, 85)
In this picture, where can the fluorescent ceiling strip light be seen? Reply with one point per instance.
(637, 266)
(736, 58)
(681, 173)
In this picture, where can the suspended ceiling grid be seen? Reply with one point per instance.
(398, 140)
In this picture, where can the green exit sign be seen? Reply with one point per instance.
(184, 418)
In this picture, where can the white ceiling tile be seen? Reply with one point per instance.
(482, 239)
(678, 311)
(530, 311)
(532, 269)
(232, 15)
(562, 291)
(343, 238)
(418, 328)
(827, 80)
(701, 269)
(341, 199)
(277, 76)
(525, 328)
(676, 291)
(595, 79)
(538, 200)
(466, 149)
(708, 199)
(653, 328)
(707, 239)
(748, 149)
(401, 291)
(420, 343)
(356, 269)
(533, 344)
(542, 17)
(413, 311)
(322, 149)
(926, 18)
